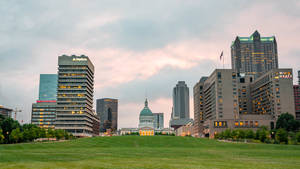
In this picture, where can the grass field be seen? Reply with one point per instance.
(148, 152)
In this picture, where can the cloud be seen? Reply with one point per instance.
(136, 46)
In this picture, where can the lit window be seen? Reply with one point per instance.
(236, 123)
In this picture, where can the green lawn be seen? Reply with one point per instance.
(148, 152)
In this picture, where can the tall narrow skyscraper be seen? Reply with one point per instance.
(254, 55)
(181, 101)
(107, 111)
(75, 96)
(158, 120)
(44, 110)
(181, 105)
(48, 87)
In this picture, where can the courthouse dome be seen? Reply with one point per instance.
(146, 111)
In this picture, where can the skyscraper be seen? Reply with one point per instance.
(235, 101)
(107, 111)
(181, 101)
(181, 106)
(44, 110)
(158, 120)
(48, 87)
(198, 107)
(254, 55)
(75, 96)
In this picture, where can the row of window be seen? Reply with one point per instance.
(246, 124)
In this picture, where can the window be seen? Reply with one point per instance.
(219, 75)
(241, 123)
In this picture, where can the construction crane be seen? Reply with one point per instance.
(16, 110)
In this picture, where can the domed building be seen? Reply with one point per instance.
(149, 124)
(146, 117)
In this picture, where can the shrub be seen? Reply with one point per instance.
(16, 136)
(298, 136)
(1, 136)
(281, 136)
(241, 134)
(262, 134)
(292, 137)
(249, 134)
(227, 134)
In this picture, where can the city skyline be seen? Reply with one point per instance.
(171, 48)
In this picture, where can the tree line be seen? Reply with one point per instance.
(286, 131)
(12, 132)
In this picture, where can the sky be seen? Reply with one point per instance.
(139, 48)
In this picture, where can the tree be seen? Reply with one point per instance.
(298, 136)
(286, 121)
(59, 134)
(282, 136)
(7, 126)
(262, 134)
(241, 134)
(1, 136)
(42, 133)
(16, 136)
(227, 134)
(29, 126)
(249, 134)
(1, 118)
(50, 133)
(234, 134)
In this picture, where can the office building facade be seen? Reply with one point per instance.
(43, 112)
(198, 107)
(254, 55)
(234, 100)
(6, 112)
(297, 101)
(107, 111)
(181, 105)
(75, 90)
(48, 87)
(181, 101)
(158, 120)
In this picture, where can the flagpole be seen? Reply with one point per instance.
(223, 61)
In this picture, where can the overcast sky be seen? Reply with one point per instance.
(137, 47)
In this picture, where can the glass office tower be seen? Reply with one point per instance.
(44, 110)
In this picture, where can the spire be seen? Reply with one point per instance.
(146, 103)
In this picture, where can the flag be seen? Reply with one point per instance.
(221, 55)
